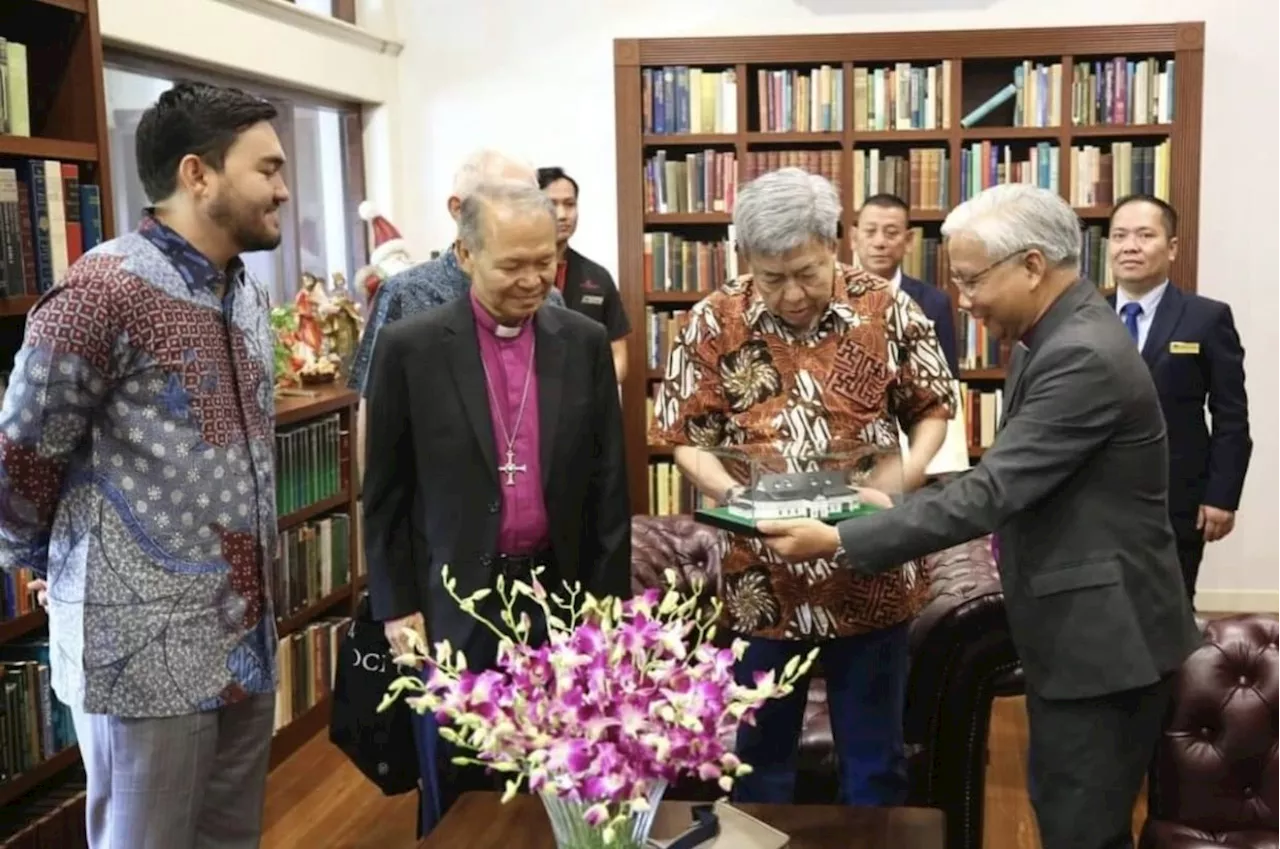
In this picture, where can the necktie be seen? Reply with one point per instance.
(1130, 312)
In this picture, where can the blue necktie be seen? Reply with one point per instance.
(1130, 312)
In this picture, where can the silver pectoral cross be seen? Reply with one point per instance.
(510, 468)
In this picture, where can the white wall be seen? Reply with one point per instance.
(537, 80)
(264, 39)
(285, 43)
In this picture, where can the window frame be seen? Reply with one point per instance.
(351, 126)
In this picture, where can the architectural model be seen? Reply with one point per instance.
(813, 495)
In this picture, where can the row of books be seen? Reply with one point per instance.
(313, 560)
(985, 164)
(34, 725)
(48, 218)
(1095, 257)
(675, 264)
(921, 178)
(800, 101)
(307, 660)
(53, 818)
(707, 181)
(981, 411)
(670, 494)
(16, 598)
(308, 463)
(824, 162)
(704, 181)
(1121, 91)
(663, 327)
(902, 97)
(15, 107)
(978, 348)
(1099, 178)
(680, 99)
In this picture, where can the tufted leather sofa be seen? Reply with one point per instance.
(961, 658)
(1213, 780)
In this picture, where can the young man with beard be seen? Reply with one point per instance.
(136, 448)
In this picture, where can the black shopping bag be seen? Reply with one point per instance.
(381, 745)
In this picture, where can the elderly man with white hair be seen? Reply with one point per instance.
(1074, 491)
(802, 357)
(440, 280)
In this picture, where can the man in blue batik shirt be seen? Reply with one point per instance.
(440, 280)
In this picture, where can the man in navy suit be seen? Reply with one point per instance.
(881, 240)
(1194, 353)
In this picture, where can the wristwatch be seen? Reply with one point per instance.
(839, 556)
(731, 493)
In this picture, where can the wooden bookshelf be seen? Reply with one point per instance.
(291, 411)
(296, 409)
(978, 63)
(64, 120)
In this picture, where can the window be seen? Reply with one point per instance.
(321, 231)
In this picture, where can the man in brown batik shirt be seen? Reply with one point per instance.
(797, 358)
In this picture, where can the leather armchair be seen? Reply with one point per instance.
(962, 657)
(1213, 780)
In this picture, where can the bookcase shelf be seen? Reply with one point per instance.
(37, 148)
(1066, 79)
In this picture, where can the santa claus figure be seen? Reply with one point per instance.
(389, 256)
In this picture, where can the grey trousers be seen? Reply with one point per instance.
(1086, 762)
(181, 782)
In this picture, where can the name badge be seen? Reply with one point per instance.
(592, 300)
(1184, 347)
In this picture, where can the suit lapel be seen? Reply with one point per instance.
(1163, 324)
(1013, 380)
(550, 361)
(468, 376)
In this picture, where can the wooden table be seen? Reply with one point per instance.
(481, 821)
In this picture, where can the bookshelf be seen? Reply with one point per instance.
(318, 576)
(695, 117)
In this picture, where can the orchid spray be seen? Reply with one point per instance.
(620, 700)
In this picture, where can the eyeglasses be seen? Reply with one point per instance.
(968, 285)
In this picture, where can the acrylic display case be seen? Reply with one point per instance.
(840, 483)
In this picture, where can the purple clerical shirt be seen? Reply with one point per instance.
(507, 361)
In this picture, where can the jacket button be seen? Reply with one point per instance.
(495, 506)
(485, 560)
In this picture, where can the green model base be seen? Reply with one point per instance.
(723, 518)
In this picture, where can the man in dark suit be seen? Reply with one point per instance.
(1191, 346)
(881, 240)
(1074, 488)
(494, 447)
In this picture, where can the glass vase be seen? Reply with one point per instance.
(572, 832)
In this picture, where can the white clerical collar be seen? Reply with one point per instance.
(504, 331)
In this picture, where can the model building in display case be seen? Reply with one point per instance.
(800, 495)
(774, 483)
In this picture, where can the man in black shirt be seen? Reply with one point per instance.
(586, 286)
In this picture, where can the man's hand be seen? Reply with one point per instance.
(795, 540)
(395, 630)
(42, 592)
(1214, 522)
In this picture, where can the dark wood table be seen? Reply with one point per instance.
(481, 821)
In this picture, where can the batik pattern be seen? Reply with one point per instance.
(737, 376)
(136, 473)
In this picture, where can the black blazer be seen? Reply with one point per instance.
(937, 308)
(431, 487)
(1195, 357)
